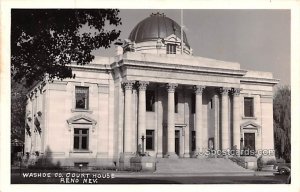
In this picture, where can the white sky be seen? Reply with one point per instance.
(257, 39)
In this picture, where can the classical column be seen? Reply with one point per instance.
(134, 119)
(159, 123)
(224, 116)
(187, 138)
(142, 85)
(236, 117)
(171, 124)
(198, 117)
(41, 117)
(34, 134)
(38, 120)
(128, 121)
(28, 126)
(217, 125)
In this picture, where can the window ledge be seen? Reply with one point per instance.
(81, 151)
(254, 118)
(81, 110)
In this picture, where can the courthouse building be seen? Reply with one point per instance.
(153, 97)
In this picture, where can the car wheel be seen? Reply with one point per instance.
(282, 172)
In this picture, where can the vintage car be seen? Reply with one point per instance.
(283, 168)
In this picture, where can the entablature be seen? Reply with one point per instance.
(259, 81)
(168, 67)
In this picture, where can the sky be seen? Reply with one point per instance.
(257, 39)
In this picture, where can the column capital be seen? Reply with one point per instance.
(171, 87)
(142, 85)
(224, 90)
(35, 92)
(198, 89)
(128, 84)
(236, 91)
(29, 96)
(41, 86)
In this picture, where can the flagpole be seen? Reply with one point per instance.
(181, 30)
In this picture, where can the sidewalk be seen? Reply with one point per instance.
(210, 174)
(123, 174)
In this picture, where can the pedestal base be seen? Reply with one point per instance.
(159, 155)
(198, 155)
(124, 160)
(148, 163)
(186, 155)
(171, 156)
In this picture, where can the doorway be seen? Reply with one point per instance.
(177, 142)
(249, 141)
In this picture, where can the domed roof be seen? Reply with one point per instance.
(154, 27)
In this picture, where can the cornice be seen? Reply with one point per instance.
(255, 80)
(178, 67)
(92, 67)
(38, 86)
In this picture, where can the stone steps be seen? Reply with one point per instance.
(193, 165)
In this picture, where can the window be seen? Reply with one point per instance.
(81, 96)
(248, 107)
(81, 139)
(171, 49)
(193, 103)
(176, 102)
(149, 139)
(150, 100)
(193, 140)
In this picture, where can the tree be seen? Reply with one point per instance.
(282, 122)
(18, 105)
(45, 41)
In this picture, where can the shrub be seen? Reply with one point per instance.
(135, 160)
(135, 164)
(271, 162)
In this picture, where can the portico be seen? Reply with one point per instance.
(180, 123)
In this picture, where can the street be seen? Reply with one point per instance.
(277, 179)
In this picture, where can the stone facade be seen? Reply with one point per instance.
(182, 105)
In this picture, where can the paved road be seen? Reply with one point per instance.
(279, 179)
(201, 180)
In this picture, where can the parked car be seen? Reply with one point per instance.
(283, 168)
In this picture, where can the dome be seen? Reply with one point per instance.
(154, 27)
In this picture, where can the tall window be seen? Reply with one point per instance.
(149, 139)
(193, 103)
(81, 139)
(176, 102)
(193, 136)
(248, 107)
(211, 103)
(82, 97)
(150, 100)
(171, 49)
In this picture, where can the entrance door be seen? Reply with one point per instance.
(177, 141)
(249, 139)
